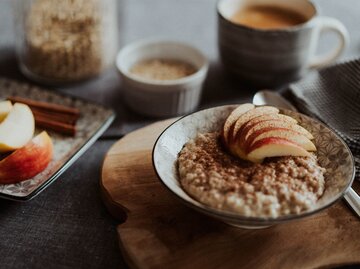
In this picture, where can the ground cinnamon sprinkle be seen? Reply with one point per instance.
(162, 69)
(278, 186)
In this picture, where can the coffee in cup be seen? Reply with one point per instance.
(271, 43)
(267, 17)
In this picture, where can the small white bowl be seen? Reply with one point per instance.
(161, 98)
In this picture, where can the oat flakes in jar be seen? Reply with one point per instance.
(65, 41)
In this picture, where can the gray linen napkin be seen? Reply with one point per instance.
(332, 94)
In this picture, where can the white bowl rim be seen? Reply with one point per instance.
(210, 211)
(200, 73)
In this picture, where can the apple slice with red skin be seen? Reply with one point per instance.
(239, 146)
(286, 133)
(26, 162)
(274, 147)
(243, 132)
(236, 150)
(243, 136)
(267, 117)
(233, 117)
(253, 113)
(261, 132)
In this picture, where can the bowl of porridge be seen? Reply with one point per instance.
(192, 161)
(161, 78)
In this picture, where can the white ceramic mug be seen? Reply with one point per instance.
(274, 57)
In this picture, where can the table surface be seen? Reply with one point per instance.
(67, 225)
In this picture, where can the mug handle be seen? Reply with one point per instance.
(325, 24)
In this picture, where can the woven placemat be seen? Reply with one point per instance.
(332, 95)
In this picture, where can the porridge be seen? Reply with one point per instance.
(162, 69)
(278, 186)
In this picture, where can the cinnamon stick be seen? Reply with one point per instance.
(51, 116)
(46, 106)
(60, 127)
(55, 116)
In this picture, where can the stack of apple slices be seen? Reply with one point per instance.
(255, 133)
(28, 156)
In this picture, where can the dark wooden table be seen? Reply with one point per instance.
(67, 225)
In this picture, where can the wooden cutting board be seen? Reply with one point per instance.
(157, 231)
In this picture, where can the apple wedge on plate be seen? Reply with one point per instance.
(262, 132)
(17, 128)
(30, 155)
(28, 161)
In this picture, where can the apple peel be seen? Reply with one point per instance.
(253, 113)
(262, 132)
(289, 134)
(233, 117)
(28, 161)
(274, 147)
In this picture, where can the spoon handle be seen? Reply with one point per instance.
(353, 199)
(267, 97)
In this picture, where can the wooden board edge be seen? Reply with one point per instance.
(116, 210)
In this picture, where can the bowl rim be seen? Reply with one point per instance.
(199, 74)
(246, 219)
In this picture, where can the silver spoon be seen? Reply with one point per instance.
(266, 97)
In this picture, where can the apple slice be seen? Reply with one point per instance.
(244, 130)
(28, 161)
(17, 128)
(274, 147)
(272, 123)
(288, 134)
(5, 108)
(236, 150)
(233, 117)
(268, 117)
(253, 113)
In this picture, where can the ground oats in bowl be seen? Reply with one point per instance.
(162, 69)
(279, 186)
(161, 78)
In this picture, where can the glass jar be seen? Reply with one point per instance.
(67, 40)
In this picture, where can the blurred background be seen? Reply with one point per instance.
(191, 21)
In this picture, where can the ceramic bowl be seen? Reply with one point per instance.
(161, 98)
(333, 154)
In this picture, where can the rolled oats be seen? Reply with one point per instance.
(278, 186)
(65, 40)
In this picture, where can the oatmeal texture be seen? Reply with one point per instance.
(278, 186)
(162, 69)
(65, 40)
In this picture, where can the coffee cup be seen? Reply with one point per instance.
(271, 43)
